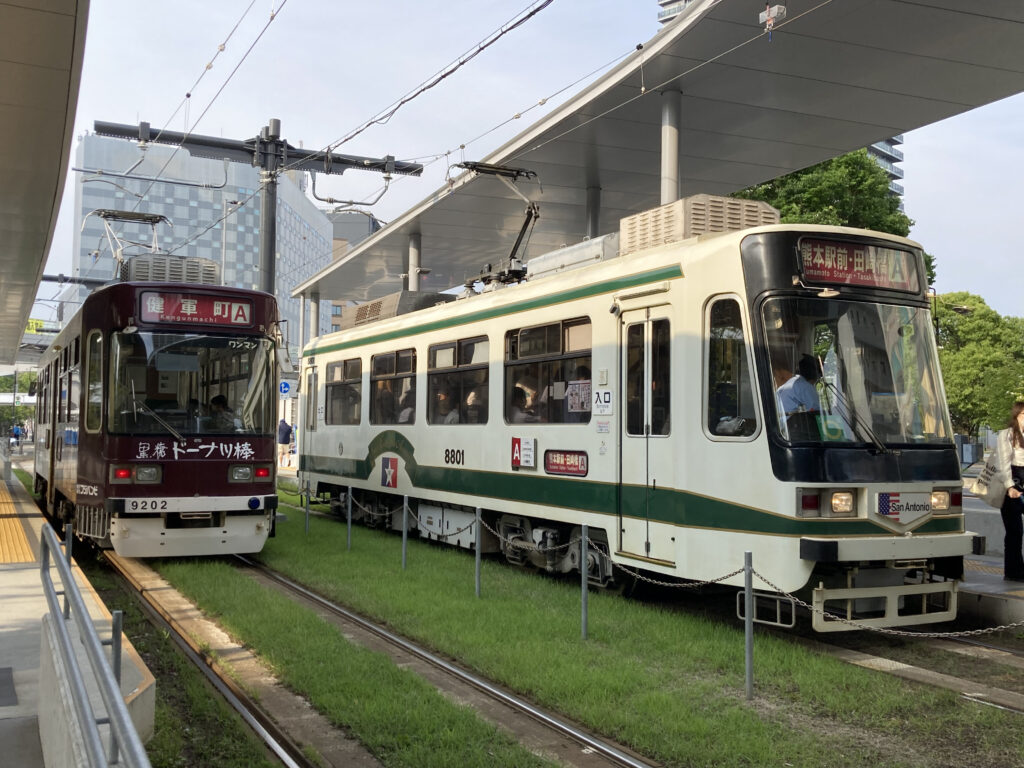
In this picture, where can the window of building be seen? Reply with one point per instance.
(547, 373)
(730, 400)
(457, 380)
(344, 392)
(392, 386)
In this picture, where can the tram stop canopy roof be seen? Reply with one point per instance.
(837, 75)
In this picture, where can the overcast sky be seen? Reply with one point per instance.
(324, 67)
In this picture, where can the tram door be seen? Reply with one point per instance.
(645, 457)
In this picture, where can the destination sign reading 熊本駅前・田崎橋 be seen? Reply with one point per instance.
(831, 261)
(166, 307)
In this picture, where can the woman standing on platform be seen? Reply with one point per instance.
(1010, 455)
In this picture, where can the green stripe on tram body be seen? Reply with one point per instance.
(607, 286)
(667, 505)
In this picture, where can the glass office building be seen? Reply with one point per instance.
(195, 194)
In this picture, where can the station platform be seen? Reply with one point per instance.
(23, 669)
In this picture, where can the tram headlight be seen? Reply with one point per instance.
(240, 473)
(940, 501)
(842, 503)
(148, 473)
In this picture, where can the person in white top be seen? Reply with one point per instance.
(1010, 454)
(796, 394)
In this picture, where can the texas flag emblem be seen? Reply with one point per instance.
(389, 473)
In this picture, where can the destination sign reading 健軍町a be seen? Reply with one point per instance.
(166, 307)
(832, 261)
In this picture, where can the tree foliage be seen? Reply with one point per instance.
(982, 360)
(849, 191)
(17, 414)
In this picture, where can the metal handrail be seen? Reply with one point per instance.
(124, 736)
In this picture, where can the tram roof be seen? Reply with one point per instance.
(837, 75)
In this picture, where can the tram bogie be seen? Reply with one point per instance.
(773, 390)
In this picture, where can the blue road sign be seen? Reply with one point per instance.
(285, 386)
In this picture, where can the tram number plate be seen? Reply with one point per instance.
(146, 505)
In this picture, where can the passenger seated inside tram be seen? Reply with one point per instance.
(445, 412)
(407, 414)
(518, 414)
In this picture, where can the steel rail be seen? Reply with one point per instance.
(272, 736)
(588, 741)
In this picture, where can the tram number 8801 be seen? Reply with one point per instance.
(454, 456)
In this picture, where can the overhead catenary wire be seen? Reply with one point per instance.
(387, 114)
(189, 129)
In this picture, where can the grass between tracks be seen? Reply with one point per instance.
(668, 685)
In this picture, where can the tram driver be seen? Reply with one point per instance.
(797, 398)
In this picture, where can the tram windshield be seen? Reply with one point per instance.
(190, 384)
(854, 372)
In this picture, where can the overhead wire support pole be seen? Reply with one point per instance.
(272, 154)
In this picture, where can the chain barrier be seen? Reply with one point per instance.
(424, 527)
(887, 630)
(516, 542)
(675, 584)
(691, 585)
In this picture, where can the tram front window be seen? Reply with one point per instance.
(854, 372)
(185, 384)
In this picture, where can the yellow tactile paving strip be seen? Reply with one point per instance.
(14, 546)
(974, 565)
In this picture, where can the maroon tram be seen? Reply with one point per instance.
(156, 411)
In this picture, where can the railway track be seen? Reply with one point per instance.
(868, 649)
(542, 732)
(276, 740)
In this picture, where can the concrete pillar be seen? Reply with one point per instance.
(593, 211)
(671, 121)
(413, 279)
(302, 326)
(314, 316)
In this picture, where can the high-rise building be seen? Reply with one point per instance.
(195, 194)
(350, 229)
(883, 152)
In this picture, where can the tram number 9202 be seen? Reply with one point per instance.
(147, 505)
(454, 456)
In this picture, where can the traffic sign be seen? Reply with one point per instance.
(285, 386)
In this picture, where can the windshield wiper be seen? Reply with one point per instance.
(851, 417)
(140, 404)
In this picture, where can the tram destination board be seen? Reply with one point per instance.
(872, 266)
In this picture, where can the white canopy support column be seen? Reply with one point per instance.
(593, 211)
(671, 120)
(314, 316)
(413, 275)
(302, 327)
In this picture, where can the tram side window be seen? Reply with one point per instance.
(74, 386)
(547, 373)
(457, 381)
(392, 382)
(311, 401)
(730, 406)
(344, 388)
(94, 382)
